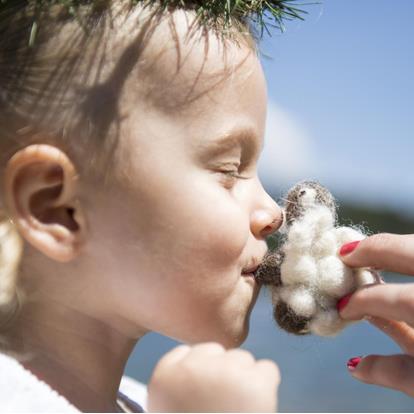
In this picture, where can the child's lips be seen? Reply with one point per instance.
(250, 271)
(250, 278)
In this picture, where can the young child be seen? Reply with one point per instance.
(129, 146)
(130, 203)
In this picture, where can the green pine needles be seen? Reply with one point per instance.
(213, 13)
(261, 11)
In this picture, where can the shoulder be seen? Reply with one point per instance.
(134, 390)
(21, 391)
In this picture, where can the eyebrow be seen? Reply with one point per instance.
(245, 138)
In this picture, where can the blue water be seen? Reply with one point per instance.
(314, 373)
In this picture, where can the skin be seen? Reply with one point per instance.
(221, 381)
(160, 245)
(389, 307)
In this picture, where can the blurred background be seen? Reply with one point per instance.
(341, 90)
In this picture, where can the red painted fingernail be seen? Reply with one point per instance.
(348, 248)
(353, 362)
(343, 302)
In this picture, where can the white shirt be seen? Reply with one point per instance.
(21, 391)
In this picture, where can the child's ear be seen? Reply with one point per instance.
(41, 189)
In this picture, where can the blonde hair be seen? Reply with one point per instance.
(11, 249)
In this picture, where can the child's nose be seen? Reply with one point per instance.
(267, 219)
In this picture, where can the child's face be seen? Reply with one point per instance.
(174, 231)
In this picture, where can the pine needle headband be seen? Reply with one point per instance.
(212, 13)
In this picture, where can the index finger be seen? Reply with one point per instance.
(383, 251)
(388, 301)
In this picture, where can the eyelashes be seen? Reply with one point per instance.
(231, 176)
(235, 174)
(231, 172)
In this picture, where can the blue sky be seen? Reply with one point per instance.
(341, 90)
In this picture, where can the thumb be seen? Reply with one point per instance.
(391, 371)
(383, 251)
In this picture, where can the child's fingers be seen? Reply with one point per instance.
(391, 371)
(206, 349)
(174, 356)
(400, 332)
(382, 251)
(268, 369)
(387, 301)
(241, 356)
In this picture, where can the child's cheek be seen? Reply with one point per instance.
(224, 232)
(225, 242)
(208, 235)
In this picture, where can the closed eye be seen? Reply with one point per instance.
(235, 174)
(230, 176)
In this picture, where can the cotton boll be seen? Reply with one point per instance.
(301, 270)
(301, 301)
(334, 277)
(300, 237)
(327, 323)
(324, 301)
(326, 220)
(364, 277)
(312, 276)
(317, 220)
(320, 218)
(312, 216)
(291, 253)
(287, 274)
(347, 234)
(325, 245)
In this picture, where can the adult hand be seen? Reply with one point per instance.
(208, 378)
(390, 307)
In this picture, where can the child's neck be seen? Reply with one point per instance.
(80, 357)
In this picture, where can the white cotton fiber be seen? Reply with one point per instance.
(320, 218)
(327, 323)
(300, 237)
(364, 277)
(312, 275)
(347, 235)
(301, 301)
(296, 270)
(334, 278)
(324, 245)
(308, 198)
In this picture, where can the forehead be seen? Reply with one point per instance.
(212, 85)
(183, 65)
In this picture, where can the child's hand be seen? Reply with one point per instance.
(390, 307)
(208, 378)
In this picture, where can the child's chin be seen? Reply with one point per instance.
(230, 332)
(236, 340)
(231, 337)
(234, 336)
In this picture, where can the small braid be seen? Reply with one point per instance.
(11, 248)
